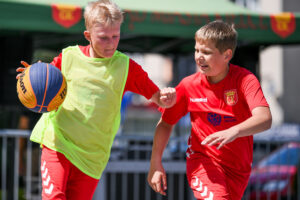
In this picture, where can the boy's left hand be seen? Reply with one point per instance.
(167, 97)
(221, 138)
(21, 69)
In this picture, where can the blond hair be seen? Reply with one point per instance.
(104, 12)
(222, 34)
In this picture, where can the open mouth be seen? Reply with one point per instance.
(203, 66)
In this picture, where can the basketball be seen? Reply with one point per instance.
(41, 87)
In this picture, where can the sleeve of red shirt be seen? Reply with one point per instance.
(139, 82)
(172, 115)
(253, 92)
(57, 61)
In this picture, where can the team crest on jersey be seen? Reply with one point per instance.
(231, 97)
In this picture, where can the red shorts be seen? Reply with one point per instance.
(61, 180)
(210, 181)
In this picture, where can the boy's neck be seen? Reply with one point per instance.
(91, 52)
(219, 77)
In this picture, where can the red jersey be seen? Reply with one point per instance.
(137, 79)
(215, 107)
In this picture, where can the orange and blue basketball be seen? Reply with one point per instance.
(41, 87)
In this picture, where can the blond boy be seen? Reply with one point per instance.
(77, 138)
(226, 106)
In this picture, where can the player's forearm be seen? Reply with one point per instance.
(261, 120)
(161, 138)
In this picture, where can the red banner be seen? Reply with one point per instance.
(66, 15)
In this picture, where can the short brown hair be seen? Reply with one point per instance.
(104, 12)
(222, 34)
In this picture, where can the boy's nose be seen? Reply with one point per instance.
(200, 58)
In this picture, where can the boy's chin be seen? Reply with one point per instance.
(105, 54)
(202, 71)
(108, 55)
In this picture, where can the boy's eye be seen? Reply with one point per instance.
(206, 52)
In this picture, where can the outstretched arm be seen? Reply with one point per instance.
(260, 120)
(157, 178)
(165, 98)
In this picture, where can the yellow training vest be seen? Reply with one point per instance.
(84, 127)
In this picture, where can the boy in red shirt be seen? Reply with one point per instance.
(226, 106)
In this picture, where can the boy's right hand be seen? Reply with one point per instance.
(157, 178)
(21, 69)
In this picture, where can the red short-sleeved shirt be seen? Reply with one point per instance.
(215, 107)
(137, 79)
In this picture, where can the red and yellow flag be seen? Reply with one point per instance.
(66, 15)
(283, 24)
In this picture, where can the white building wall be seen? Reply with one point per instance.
(291, 58)
(271, 67)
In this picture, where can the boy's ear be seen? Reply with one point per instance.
(87, 35)
(228, 54)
